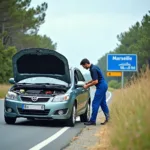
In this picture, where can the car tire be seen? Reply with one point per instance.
(10, 120)
(86, 116)
(72, 120)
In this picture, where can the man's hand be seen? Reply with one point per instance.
(89, 82)
(86, 86)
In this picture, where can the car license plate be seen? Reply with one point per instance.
(33, 107)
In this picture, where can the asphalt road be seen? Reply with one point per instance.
(35, 135)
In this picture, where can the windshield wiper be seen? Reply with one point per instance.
(20, 84)
(29, 85)
(44, 85)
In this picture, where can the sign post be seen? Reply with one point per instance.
(122, 80)
(122, 63)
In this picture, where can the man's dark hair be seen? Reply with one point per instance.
(84, 61)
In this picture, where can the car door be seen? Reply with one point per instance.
(79, 92)
(85, 92)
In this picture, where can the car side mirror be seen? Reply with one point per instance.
(80, 84)
(12, 81)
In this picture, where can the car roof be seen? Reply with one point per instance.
(74, 68)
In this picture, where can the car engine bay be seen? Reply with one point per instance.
(38, 90)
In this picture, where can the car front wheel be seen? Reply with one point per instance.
(86, 116)
(72, 120)
(10, 120)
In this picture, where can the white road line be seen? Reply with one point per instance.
(57, 134)
(108, 98)
(50, 139)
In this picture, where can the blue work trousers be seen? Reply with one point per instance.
(100, 100)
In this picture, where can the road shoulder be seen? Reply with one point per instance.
(88, 137)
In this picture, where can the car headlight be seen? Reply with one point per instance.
(60, 98)
(11, 95)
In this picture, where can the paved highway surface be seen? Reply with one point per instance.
(35, 135)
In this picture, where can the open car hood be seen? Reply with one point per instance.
(39, 62)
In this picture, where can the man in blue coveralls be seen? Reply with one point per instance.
(100, 94)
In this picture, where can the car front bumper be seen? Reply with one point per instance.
(50, 111)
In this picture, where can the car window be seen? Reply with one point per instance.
(70, 73)
(80, 76)
(76, 77)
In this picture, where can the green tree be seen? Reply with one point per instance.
(17, 16)
(35, 41)
(19, 26)
(134, 41)
(6, 62)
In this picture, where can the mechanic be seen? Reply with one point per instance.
(100, 94)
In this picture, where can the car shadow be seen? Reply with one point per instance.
(44, 123)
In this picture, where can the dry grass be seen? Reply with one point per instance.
(129, 128)
(3, 90)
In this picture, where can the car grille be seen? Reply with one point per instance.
(40, 99)
(34, 112)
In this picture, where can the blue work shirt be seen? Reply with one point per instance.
(97, 74)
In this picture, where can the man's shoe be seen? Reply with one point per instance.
(89, 123)
(103, 123)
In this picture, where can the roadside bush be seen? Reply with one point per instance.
(114, 84)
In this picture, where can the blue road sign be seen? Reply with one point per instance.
(121, 62)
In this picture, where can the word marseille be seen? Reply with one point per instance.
(121, 58)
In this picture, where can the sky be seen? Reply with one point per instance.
(89, 28)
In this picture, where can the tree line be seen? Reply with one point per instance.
(134, 41)
(19, 26)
